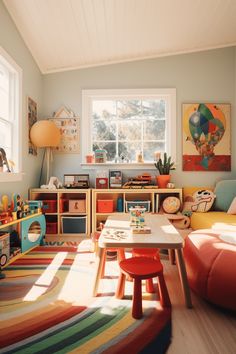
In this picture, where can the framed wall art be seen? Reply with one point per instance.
(32, 118)
(69, 129)
(206, 137)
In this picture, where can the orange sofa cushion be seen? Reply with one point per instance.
(211, 267)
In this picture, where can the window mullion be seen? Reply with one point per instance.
(117, 135)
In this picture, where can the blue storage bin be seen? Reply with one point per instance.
(74, 224)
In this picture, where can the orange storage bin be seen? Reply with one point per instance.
(49, 206)
(104, 206)
(64, 205)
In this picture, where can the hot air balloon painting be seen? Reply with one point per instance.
(206, 137)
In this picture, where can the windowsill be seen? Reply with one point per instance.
(121, 166)
(11, 176)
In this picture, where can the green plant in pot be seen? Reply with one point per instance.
(164, 166)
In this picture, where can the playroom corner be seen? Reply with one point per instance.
(117, 177)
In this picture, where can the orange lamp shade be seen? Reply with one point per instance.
(45, 133)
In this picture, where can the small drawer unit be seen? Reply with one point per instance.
(74, 224)
(77, 206)
(146, 204)
(105, 206)
(49, 206)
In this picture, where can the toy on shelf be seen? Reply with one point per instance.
(54, 183)
(100, 155)
(18, 208)
(141, 181)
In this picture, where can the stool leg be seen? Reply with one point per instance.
(150, 286)
(137, 310)
(120, 286)
(164, 296)
(120, 254)
(103, 264)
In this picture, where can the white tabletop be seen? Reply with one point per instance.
(163, 233)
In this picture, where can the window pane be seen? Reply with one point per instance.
(128, 109)
(129, 149)
(149, 149)
(104, 130)
(5, 135)
(104, 109)
(4, 92)
(155, 108)
(109, 147)
(154, 130)
(129, 130)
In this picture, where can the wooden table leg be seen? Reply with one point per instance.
(183, 277)
(100, 254)
(171, 254)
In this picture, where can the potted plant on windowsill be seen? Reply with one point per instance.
(164, 166)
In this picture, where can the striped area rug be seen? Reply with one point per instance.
(46, 307)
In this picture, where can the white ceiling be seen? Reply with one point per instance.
(70, 34)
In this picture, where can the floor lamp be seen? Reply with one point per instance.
(45, 134)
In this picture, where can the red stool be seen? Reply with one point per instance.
(140, 268)
(147, 252)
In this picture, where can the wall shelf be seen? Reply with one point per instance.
(120, 166)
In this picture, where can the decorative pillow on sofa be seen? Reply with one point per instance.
(225, 192)
(232, 208)
(201, 201)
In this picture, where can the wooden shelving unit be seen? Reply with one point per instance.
(30, 230)
(61, 221)
(154, 196)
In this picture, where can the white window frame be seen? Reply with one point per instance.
(16, 117)
(168, 94)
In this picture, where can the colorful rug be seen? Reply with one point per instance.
(46, 307)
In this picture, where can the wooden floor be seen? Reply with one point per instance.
(204, 329)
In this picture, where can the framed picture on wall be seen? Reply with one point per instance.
(32, 118)
(69, 129)
(206, 137)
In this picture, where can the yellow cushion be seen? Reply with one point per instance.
(215, 219)
(190, 190)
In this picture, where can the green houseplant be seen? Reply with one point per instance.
(164, 166)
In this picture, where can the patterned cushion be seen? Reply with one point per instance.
(201, 201)
(171, 205)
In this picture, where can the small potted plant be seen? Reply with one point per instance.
(164, 166)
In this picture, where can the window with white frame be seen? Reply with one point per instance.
(129, 122)
(10, 113)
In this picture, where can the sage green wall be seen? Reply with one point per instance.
(207, 76)
(13, 44)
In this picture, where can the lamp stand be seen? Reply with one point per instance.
(48, 156)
